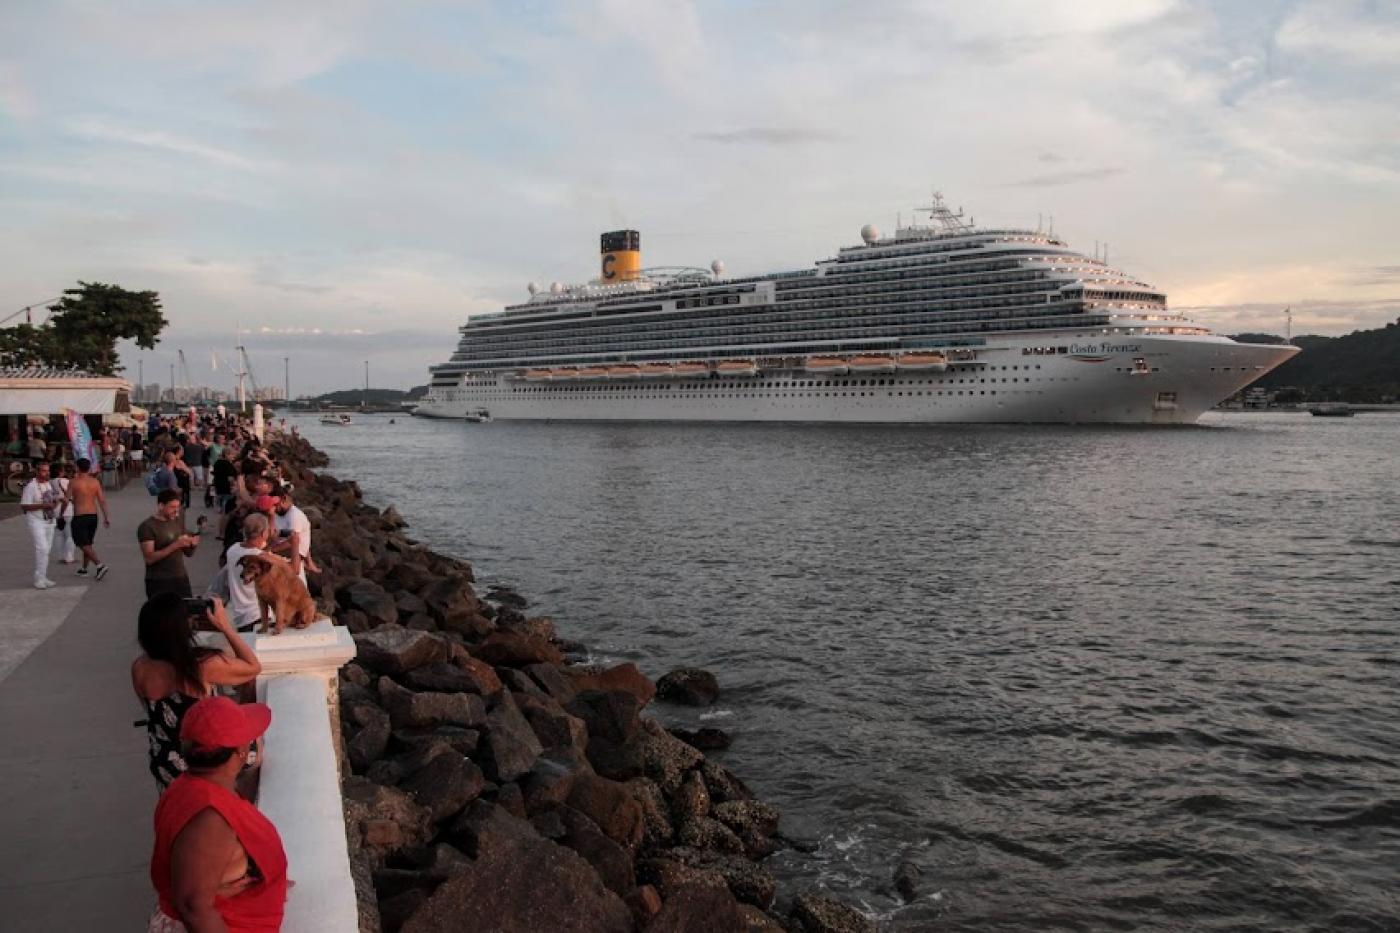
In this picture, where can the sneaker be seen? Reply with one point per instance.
(43, 584)
(82, 571)
(101, 571)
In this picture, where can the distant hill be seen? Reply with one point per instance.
(351, 398)
(415, 393)
(1363, 366)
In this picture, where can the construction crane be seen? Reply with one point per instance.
(185, 381)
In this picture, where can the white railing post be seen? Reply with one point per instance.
(299, 784)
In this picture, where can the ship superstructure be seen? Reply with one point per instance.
(943, 321)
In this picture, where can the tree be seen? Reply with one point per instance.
(83, 329)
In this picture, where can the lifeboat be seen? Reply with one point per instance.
(737, 368)
(922, 362)
(593, 372)
(692, 370)
(656, 370)
(565, 373)
(538, 375)
(872, 364)
(624, 371)
(828, 365)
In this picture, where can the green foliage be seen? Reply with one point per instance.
(350, 398)
(83, 329)
(1363, 366)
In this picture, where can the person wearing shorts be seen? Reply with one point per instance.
(86, 494)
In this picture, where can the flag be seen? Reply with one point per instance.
(81, 439)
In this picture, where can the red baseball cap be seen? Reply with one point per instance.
(266, 503)
(218, 722)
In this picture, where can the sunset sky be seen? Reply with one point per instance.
(350, 180)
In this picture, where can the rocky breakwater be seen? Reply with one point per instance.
(491, 783)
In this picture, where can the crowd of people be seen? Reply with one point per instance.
(217, 862)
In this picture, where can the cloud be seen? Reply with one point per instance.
(98, 130)
(1073, 177)
(768, 136)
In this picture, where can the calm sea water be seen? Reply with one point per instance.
(1084, 679)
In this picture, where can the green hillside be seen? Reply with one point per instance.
(1363, 366)
(351, 398)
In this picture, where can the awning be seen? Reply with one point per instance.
(85, 401)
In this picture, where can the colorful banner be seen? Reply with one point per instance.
(81, 439)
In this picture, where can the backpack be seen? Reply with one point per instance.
(151, 485)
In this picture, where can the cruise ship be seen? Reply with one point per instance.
(943, 321)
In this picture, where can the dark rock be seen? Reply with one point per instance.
(551, 679)
(411, 709)
(355, 674)
(688, 686)
(612, 716)
(645, 903)
(505, 596)
(610, 860)
(507, 649)
(611, 806)
(536, 627)
(366, 802)
(371, 599)
(906, 881)
(421, 744)
(449, 596)
(520, 683)
(759, 921)
(371, 739)
(550, 824)
(446, 784)
(818, 913)
(354, 620)
(656, 814)
(706, 738)
(484, 829)
(724, 786)
(671, 875)
(740, 815)
(421, 622)
(393, 519)
(506, 889)
(445, 862)
(615, 760)
(624, 677)
(749, 882)
(408, 604)
(395, 911)
(386, 771)
(551, 778)
(697, 908)
(391, 881)
(395, 650)
(665, 759)
(705, 833)
(484, 679)
(352, 694)
(510, 746)
(691, 800)
(552, 725)
(441, 677)
(468, 623)
(409, 576)
(510, 799)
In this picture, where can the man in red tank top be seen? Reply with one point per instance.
(218, 863)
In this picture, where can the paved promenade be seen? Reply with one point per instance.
(75, 796)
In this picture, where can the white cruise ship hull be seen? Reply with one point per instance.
(1067, 379)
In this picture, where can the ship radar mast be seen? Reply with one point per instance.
(941, 220)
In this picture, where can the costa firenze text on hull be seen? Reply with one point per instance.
(942, 322)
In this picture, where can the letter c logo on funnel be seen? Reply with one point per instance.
(608, 261)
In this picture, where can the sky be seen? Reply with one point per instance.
(349, 181)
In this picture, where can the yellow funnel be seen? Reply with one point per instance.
(622, 255)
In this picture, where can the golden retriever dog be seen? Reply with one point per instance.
(279, 589)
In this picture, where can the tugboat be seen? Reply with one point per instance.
(1333, 410)
(337, 420)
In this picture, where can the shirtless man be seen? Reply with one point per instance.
(86, 493)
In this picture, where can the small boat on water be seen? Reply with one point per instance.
(921, 362)
(827, 366)
(337, 420)
(737, 368)
(873, 363)
(478, 416)
(692, 370)
(1333, 410)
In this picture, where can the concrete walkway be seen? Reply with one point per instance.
(75, 795)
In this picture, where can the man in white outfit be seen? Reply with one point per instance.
(243, 606)
(40, 503)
